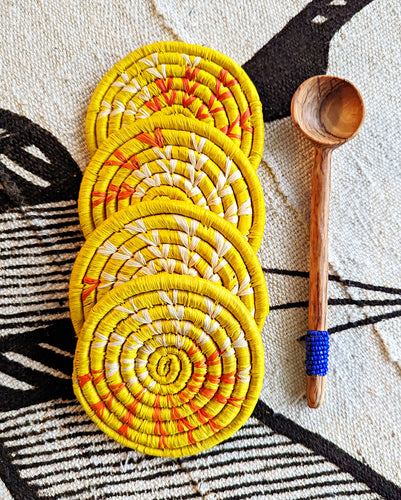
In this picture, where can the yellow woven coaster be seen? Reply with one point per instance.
(175, 237)
(169, 365)
(178, 158)
(178, 78)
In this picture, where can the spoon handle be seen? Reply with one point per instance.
(317, 337)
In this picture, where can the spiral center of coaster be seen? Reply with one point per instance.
(168, 368)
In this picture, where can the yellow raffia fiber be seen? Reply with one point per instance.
(158, 236)
(169, 365)
(178, 158)
(177, 78)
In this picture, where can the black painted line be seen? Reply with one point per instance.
(224, 451)
(69, 421)
(363, 303)
(264, 482)
(289, 305)
(317, 444)
(33, 312)
(39, 254)
(290, 489)
(116, 467)
(65, 213)
(26, 211)
(41, 282)
(10, 476)
(185, 497)
(59, 301)
(348, 283)
(366, 286)
(38, 229)
(341, 302)
(362, 322)
(62, 294)
(267, 468)
(333, 494)
(41, 407)
(81, 448)
(107, 480)
(62, 272)
(45, 439)
(287, 272)
(250, 458)
(367, 321)
(54, 263)
(39, 418)
(38, 238)
(49, 243)
(46, 321)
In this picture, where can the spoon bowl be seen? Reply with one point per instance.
(328, 110)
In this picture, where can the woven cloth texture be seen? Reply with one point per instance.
(52, 56)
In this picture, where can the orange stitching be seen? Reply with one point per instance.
(154, 105)
(215, 427)
(123, 430)
(182, 423)
(194, 407)
(170, 400)
(129, 191)
(183, 397)
(162, 84)
(232, 401)
(213, 359)
(99, 408)
(189, 90)
(243, 119)
(187, 100)
(110, 397)
(223, 76)
(84, 379)
(175, 414)
(159, 429)
(156, 141)
(133, 406)
(200, 115)
(131, 164)
(204, 416)
(162, 442)
(221, 96)
(191, 73)
(191, 438)
(89, 281)
(116, 388)
(208, 393)
(170, 100)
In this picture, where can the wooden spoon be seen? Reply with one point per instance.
(329, 111)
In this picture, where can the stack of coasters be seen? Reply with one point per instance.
(167, 296)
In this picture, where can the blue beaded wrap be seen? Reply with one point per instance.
(317, 352)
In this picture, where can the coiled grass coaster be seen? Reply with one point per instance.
(169, 365)
(178, 158)
(178, 78)
(164, 236)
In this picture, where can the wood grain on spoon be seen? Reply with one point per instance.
(329, 111)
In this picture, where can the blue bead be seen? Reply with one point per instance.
(317, 352)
